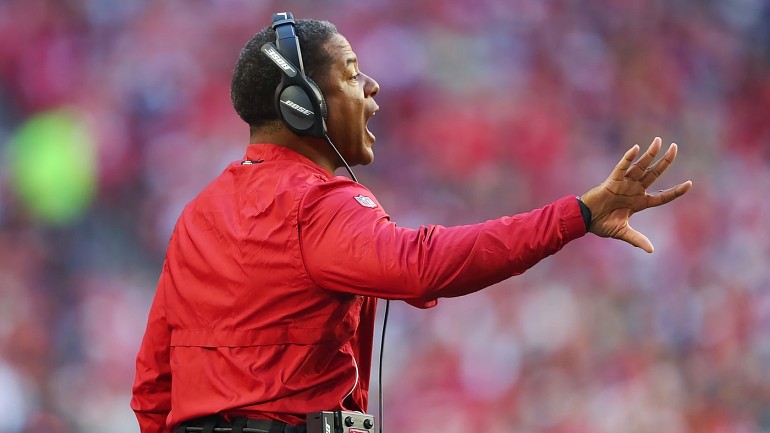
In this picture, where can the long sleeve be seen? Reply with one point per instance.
(349, 244)
(152, 385)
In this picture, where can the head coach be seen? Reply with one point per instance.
(264, 310)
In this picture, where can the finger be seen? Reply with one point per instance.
(620, 169)
(636, 239)
(660, 166)
(637, 170)
(665, 196)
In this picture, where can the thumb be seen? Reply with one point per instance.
(636, 238)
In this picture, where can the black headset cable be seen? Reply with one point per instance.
(387, 301)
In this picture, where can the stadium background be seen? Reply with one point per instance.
(113, 114)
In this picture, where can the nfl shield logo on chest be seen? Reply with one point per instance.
(365, 201)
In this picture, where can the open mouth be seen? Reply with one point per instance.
(368, 118)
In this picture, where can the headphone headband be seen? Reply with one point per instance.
(286, 38)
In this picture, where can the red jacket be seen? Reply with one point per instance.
(265, 306)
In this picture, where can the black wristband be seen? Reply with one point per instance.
(585, 212)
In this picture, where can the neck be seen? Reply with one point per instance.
(313, 148)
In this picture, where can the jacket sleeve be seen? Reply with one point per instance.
(151, 399)
(349, 244)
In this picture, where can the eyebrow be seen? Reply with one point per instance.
(350, 60)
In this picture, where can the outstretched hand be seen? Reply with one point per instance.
(625, 192)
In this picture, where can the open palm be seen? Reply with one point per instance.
(624, 192)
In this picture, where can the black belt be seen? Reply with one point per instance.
(215, 424)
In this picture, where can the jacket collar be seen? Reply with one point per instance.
(273, 152)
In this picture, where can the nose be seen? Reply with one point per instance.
(371, 87)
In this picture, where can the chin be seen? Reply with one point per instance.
(363, 155)
(367, 157)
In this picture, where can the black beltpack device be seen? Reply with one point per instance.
(339, 422)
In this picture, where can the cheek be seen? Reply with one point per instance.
(342, 115)
(335, 109)
(345, 112)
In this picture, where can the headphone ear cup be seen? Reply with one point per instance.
(319, 96)
(296, 109)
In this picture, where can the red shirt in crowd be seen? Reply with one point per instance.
(265, 306)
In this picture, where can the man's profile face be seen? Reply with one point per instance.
(350, 102)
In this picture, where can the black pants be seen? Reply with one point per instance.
(216, 424)
(295, 429)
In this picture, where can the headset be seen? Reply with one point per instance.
(298, 100)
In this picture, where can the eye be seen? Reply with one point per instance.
(355, 76)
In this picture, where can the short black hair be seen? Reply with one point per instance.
(256, 78)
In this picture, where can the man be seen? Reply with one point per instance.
(265, 306)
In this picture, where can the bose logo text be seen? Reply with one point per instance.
(274, 56)
(293, 105)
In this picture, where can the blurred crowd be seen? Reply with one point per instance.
(114, 114)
